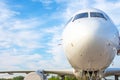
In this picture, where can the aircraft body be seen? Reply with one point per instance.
(90, 41)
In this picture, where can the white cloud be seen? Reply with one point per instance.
(15, 62)
(45, 3)
(5, 12)
(55, 49)
(18, 39)
(25, 24)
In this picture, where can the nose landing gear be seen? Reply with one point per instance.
(62, 77)
(88, 75)
(116, 77)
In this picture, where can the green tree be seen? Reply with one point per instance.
(70, 78)
(18, 78)
(54, 78)
(2, 79)
(66, 78)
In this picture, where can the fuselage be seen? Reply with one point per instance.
(90, 40)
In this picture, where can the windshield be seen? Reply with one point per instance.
(81, 15)
(96, 14)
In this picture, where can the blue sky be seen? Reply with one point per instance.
(30, 31)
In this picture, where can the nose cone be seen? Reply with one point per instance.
(84, 42)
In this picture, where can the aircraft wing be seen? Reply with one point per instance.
(59, 72)
(40, 74)
(11, 72)
(112, 72)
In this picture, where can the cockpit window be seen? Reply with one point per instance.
(81, 15)
(96, 14)
(69, 20)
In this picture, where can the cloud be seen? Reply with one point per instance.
(5, 12)
(21, 37)
(55, 48)
(45, 3)
(18, 40)
(14, 62)
(31, 23)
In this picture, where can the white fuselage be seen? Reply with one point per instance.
(90, 43)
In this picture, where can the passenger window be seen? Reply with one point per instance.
(96, 14)
(82, 15)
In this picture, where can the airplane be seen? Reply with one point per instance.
(90, 41)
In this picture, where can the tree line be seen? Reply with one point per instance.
(58, 78)
(51, 78)
(15, 78)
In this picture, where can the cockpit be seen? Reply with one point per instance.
(89, 15)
